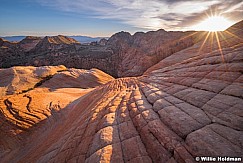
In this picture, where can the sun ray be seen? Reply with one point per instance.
(187, 36)
(222, 34)
(206, 38)
(233, 35)
(219, 46)
(212, 42)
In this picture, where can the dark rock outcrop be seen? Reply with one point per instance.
(140, 51)
(29, 42)
(1, 41)
(103, 41)
(122, 55)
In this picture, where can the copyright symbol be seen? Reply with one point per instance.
(197, 158)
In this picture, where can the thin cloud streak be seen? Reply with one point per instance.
(155, 14)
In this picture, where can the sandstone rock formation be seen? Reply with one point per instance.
(121, 55)
(54, 42)
(187, 105)
(37, 94)
(103, 41)
(77, 78)
(19, 79)
(29, 42)
(140, 51)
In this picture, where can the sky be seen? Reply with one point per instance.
(106, 17)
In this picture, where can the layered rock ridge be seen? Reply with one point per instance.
(35, 95)
(121, 55)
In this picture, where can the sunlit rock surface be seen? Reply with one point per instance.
(36, 95)
(21, 79)
(189, 104)
(18, 79)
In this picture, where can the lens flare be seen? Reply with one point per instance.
(213, 24)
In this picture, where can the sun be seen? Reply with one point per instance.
(213, 24)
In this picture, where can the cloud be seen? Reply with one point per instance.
(153, 14)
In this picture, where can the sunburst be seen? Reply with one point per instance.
(216, 33)
(213, 24)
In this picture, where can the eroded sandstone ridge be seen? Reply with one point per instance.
(189, 104)
(121, 55)
(30, 95)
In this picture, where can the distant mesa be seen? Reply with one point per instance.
(81, 39)
(14, 38)
(60, 39)
(29, 42)
(30, 39)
